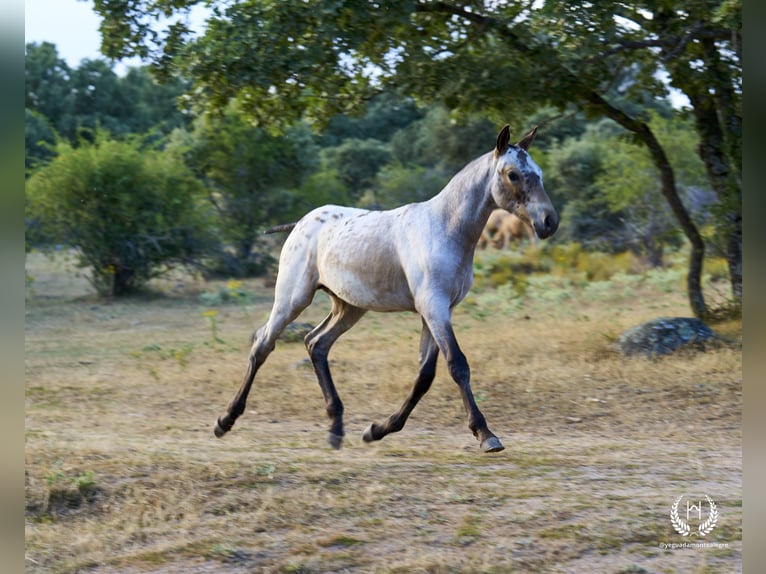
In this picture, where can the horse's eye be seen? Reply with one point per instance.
(513, 176)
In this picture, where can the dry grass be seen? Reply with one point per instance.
(123, 473)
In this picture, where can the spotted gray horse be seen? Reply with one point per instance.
(417, 257)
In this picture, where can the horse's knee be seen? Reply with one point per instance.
(263, 345)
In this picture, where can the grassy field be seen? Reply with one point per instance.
(123, 473)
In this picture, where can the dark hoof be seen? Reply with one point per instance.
(219, 430)
(367, 435)
(492, 444)
(335, 440)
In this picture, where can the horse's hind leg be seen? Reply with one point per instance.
(287, 306)
(318, 343)
(429, 353)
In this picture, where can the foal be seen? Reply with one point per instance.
(417, 257)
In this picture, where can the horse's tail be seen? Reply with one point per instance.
(280, 228)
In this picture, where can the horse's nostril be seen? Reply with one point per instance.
(550, 224)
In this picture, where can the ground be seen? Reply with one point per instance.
(123, 473)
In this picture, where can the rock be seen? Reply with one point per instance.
(664, 336)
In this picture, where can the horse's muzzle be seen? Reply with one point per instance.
(547, 224)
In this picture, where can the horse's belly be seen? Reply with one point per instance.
(368, 286)
(362, 267)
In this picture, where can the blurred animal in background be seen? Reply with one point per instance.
(502, 228)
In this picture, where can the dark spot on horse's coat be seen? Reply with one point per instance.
(521, 157)
(319, 219)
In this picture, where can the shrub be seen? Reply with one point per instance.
(132, 213)
(596, 266)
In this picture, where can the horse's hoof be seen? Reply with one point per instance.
(367, 435)
(335, 440)
(219, 430)
(492, 444)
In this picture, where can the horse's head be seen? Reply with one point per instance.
(518, 184)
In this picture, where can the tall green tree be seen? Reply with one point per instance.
(39, 139)
(357, 163)
(155, 105)
(47, 83)
(250, 174)
(440, 140)
(386, 114)
(289, 58)
(76, 101)
(572, 170)
(629, 182)
(97, 101)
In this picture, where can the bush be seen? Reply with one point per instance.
(132, 213)
(594, 265)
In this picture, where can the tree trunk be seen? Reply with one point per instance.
(725, 186)
(697, 255)
(717, 113)
(123, 282)
(720, 129)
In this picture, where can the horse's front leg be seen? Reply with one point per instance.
(263, 345)
(444, 335)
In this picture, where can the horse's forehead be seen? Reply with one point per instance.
(521, 160)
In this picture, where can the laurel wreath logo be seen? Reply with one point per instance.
(705, 527)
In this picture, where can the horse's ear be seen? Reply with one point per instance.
(503, 140)
(527, 140)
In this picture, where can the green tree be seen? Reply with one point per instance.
(386, 114)
(398, 184)
(572, 169)
(132, 213)
(75, 101)
(47, 83)
(629, 182)
(154, 106)
(444, 141)
(97, 101)
(294, 57)
(320, 188)
(250, 174)
(39, 139)
(357, 163)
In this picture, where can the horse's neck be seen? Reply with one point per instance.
(465, 202)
